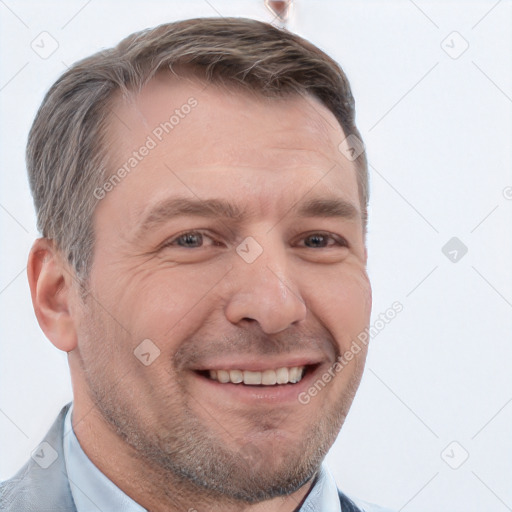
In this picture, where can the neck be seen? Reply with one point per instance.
(153, 488)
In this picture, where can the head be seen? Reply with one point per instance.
(199, 220)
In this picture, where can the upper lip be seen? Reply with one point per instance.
(257, 364)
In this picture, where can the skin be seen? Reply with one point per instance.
(168, 437)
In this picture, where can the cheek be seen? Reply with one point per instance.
(105, 348)
(164, 302)
(342, 302)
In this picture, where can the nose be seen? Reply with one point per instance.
(264, 292)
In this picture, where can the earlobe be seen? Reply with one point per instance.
(51, 281)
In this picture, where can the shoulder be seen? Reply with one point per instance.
(41, 486)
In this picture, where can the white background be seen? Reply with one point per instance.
(438, 134)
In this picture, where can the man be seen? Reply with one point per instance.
(202, 194)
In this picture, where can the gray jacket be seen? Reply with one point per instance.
(42, 487)
(34, 488)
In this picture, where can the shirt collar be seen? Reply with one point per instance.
(91, 489)
(93, 492)
(323, 496)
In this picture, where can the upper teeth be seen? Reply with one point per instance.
(266, 377)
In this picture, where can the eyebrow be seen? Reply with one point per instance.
(217, 208)
(180, 207)
(327, 207)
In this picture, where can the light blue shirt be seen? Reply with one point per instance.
(93, 492)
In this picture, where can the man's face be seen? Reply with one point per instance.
(236, 247)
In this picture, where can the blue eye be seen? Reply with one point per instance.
(190, 240)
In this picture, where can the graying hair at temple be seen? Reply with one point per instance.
(67, 151)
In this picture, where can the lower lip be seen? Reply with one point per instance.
(276, 394)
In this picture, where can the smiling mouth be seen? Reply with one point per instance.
(270, 377)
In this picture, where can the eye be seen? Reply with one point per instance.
(190, 240)
(323, 240)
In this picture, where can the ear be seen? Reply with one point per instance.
(51, 287)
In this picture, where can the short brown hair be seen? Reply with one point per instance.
(66, 150)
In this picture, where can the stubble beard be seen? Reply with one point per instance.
(189, 458)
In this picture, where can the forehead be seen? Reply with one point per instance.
(217, 138)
